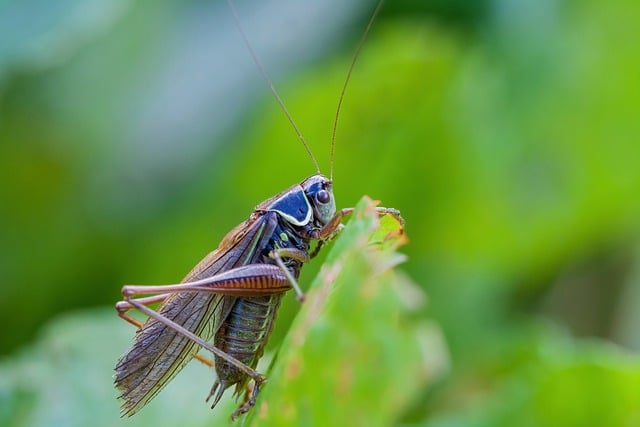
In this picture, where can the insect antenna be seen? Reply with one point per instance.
(346, 81)
(264, 74)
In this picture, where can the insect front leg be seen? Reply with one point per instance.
(334, 225)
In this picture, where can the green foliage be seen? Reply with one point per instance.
(558, 383)
(511, 151)
(354, 352)
(65, 379)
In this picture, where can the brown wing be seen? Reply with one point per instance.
(159, 352)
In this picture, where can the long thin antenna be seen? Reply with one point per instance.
(264, 74)
(346, 80)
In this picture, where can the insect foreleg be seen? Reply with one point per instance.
(394, 213)
(331, 227)
(327, 232)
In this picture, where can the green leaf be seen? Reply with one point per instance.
(354, 352)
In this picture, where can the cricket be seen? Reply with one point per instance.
(228, 303)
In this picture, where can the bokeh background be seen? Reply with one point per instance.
(134, 135)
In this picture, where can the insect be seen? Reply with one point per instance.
(228, 303)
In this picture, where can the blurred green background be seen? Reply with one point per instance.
(134, 135)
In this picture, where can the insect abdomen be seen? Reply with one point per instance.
(243, 335)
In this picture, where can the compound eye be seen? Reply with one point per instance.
(323, 196)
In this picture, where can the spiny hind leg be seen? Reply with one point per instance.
(195, 338)
(122, 307)
(238, 281)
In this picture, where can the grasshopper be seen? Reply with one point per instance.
(228, 303)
